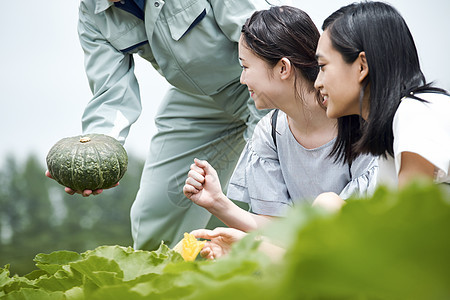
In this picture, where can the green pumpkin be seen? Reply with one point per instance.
(88, 162)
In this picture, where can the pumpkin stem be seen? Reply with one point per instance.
(85, 139)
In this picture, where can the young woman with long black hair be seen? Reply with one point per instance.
(371, 81)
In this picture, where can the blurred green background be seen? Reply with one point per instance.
(37, 216)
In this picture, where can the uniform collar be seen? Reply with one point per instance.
(140, 4)
(102, 5)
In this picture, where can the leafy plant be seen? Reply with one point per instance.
(394, 245)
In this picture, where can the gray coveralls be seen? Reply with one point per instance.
(206, 113)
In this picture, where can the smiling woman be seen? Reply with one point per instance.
(341, 79)
(373, 71)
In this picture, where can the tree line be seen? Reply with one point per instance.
(37, 216)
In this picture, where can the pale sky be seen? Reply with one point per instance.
(43, 87)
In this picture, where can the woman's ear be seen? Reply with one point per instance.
(363, 66)
(284, 68)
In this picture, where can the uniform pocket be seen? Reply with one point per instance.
(123, 30)
(184, 20)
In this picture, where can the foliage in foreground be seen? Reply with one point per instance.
(395, 245)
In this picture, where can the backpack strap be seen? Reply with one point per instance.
(350, 170)
(274, 126)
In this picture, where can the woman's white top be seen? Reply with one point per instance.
(271, 178)
(422, 128)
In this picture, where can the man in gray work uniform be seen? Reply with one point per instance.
(206, 113)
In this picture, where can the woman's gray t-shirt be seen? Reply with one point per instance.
(271, 178)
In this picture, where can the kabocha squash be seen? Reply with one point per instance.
(88, 162)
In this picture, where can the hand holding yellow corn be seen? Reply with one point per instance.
(189, 247)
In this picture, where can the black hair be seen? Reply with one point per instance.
(380, 31)
(284, 31)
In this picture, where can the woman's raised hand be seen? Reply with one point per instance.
(202, 184)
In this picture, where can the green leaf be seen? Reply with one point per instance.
(134, 263)
(119, 292)
(395, 245)
(165, 286)
(57, 258)
(36, 274)
(16, 283)
(100, 270)
(61, 281)
(75, 293)
(54, 261)
(33, 294)
(4, 276)
(238, 287)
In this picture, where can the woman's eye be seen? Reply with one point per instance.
(321, 67)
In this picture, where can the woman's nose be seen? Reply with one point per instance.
(318, 83)
(242, 78)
